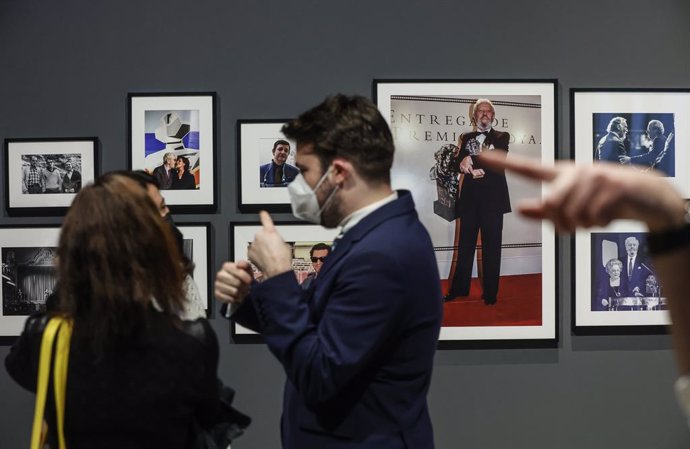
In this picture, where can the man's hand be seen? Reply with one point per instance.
(466, 165)
(233, 281)
(586, 196)
(269, 251)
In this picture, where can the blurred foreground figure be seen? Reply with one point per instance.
(587, 196)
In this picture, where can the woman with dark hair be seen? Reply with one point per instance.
(184, 180)
(138, 376)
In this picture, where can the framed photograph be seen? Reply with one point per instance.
(310, 244)
(617, 290)
(173, 137)
(28, 277)
(266, 161)
(197, 245)
(637, 127)
(42, 176)
(498, 270)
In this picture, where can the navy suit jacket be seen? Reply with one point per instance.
(358, 345)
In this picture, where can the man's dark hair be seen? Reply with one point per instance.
(350, 127)
(279, 142)
(318, 247)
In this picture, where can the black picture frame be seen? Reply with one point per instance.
(255, 138)
(595, 117)
(197, 127)
(412, 142)
(28, 256)
(200, 253)
(36, 200)
(302, 235)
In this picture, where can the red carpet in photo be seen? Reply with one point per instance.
(518, 304)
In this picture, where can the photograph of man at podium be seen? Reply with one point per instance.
(623, 278)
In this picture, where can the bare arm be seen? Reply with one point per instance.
(586, 196)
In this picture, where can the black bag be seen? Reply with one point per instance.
(228, 425)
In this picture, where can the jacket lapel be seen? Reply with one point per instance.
(403, 205)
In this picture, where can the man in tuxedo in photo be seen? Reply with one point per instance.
(611, 147)
(482, 201)
(635, 268)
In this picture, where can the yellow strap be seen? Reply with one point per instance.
(60, 377)
(42, 385)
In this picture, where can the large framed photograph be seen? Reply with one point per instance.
(28, 277)
(197, 247)
(498, 270)
(310, 245)
(42, 176)
(173, 137)
(266, 161)
(617, 290)
(637, 127)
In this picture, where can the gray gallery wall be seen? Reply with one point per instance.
(66, 68)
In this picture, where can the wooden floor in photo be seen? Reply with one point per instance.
(518, 304)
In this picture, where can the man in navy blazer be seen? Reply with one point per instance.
(358, 345)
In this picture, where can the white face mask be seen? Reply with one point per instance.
(305, 205)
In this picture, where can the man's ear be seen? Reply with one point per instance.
(341, 171)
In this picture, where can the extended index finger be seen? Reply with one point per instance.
(525, 166)
(266, 221)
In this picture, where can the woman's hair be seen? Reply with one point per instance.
(613, 262)
(185, 161)
(116, 254)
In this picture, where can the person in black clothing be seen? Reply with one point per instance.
(138, 375)
(483, 200)
(184, 179)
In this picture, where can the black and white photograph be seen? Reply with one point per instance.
(497, 268)
(196, 244)
(623, 275)
(644, 128)
(617, 288)
(44, 175)
(310, 244)
(266, 161)
(28, 256)
(173, 138)
(642, 140)
(28, 279)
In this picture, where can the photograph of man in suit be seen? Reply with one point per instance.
(611, 147)
(657, 153)
(317, 254)
(278, 173)
(164, 173)
(635, 270)
(358, 346)
(482, 201)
